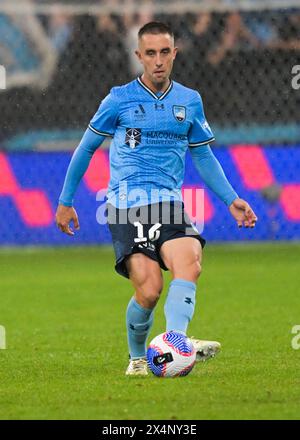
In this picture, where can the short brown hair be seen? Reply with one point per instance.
(155, 27)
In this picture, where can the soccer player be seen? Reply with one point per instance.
(153, 122)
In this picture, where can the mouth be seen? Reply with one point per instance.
(159, 72)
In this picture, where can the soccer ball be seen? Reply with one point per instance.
(171, 354)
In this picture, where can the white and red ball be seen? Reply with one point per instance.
(171, 354)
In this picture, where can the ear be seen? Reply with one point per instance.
(175, 51)
(138, 54)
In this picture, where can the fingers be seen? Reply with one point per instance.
(65, 228)
(76, 223)
(249, 219)
(64, 215)
(243, 213)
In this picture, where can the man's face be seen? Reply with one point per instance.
(157, 54)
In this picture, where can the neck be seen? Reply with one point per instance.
(155, 87)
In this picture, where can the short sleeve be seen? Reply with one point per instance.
(200, 132)
(105, 119)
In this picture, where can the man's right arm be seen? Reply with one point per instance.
(102, 125)
(79, 163)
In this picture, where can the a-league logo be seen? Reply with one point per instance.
(133, 137)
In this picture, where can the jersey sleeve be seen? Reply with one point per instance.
(104, 122)
(200, 132)
(78, 165)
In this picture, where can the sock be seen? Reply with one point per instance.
(139, 322)
(180, 305)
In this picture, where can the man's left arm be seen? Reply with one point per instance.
(214, 177)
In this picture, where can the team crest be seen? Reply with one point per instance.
(179, 112)
(133, 137)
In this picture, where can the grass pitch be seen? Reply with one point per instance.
(64, 314)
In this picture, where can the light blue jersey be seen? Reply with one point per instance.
(151, 134)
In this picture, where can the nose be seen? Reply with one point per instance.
(158, 61)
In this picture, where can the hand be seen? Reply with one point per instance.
(64, 215)
(243, 213)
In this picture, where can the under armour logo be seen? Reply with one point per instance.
(159, 106)
(131, 326)
(188, 300)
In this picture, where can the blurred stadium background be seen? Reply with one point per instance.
(63, 308)
(62, 58)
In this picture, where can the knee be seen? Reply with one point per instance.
(149, 288)
(194, 270)
(195, 267)
(190, 271)
(147, 281)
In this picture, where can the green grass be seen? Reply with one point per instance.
(64, 313)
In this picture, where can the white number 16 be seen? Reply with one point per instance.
(153, 233)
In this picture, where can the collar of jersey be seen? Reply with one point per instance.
(159, 98)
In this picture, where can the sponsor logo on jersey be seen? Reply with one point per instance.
(166, 135)
(179, 112)
(133, 137)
